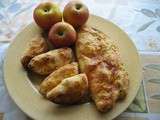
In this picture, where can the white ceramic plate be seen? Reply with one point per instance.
(21, 86)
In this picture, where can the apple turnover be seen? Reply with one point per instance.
(57, 76)
(46, 63)
(99, 58)
(35, 47)
(70, 91)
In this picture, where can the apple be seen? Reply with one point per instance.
(47, 14)
(75, 13)
(62, 34)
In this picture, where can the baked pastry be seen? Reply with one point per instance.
(36, 46)
(46, 63)
(99, 58)
(70, 91)
(57, 76)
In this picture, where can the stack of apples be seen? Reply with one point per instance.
(61, 26)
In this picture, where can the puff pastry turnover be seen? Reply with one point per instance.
(46, 63)
(99, 58)
(36, 46)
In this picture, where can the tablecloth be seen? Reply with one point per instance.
(138, 18)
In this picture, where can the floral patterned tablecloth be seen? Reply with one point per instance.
(139, 18)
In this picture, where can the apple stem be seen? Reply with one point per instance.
(45, 10)
(78, 6)
(62, 18)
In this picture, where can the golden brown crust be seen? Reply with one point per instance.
(57, 76)
(37, 46)
(100, 64)
(99, 58)
(70, 91)
(46, 63)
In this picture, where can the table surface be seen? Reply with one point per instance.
(140, 19)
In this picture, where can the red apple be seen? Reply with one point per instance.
(47, 14)
(62, 34)
(76, 13)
